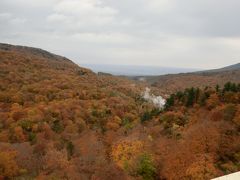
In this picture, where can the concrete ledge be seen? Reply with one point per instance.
(234, 176)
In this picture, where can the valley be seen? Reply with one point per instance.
(62, 121)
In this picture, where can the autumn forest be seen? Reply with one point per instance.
(62, 121)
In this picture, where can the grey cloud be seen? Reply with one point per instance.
(186, 33)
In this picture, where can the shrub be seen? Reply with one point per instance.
(179, 95)
(57, 126)
(81, 72)
(70, 149)
(217, 88)
(5, 97)
(146, 116)
(170, 102)
(8, 165)
(229, 112)
(203, 98)
(125, 153)
(170, 118)
(230, 87)
(40, 148)
(230, 97)
(237, 119)
(32, 138)
(26, 125)
(127, 123)
(213, 101)
(190, 97)
(98, 114)
(114, 123)
(216, 114)
(146, 167)
(17, 134)
(227, 86)
(155, 111)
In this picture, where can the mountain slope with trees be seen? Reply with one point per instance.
(228, 68)
(173, 82)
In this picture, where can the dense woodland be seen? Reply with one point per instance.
(60, 121)
(174, 82)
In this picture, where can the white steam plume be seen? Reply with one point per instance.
(158, 101)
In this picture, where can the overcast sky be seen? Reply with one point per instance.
(174, 33)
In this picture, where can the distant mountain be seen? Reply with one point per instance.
(229, 68)
(232, 67)
(132, 70)
(174, 82)
(40, 53)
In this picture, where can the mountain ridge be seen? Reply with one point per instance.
(223, 69)
(171, 83)
(31, 50)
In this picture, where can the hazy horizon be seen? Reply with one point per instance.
(136, 70)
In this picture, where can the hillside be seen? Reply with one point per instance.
(49, 104)
(228, 68)
(232, 67)
(172, 82)
(61, 121)
(29, 51)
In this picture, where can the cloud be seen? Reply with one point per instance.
(56, 18)
(30, 3)
(9, 18)
(4, 16)
(103, 37)
(186, 33)
(17, 20)
(80, 13)
(160, 6)
(84, 7)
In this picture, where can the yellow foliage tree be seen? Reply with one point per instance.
(125, 153)
(8, 165)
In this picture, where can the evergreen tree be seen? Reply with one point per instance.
(217, 88)
(197, 94)
(238, 87)
(170, 102)
(190, 97)
(203, 98)
(234, 87)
